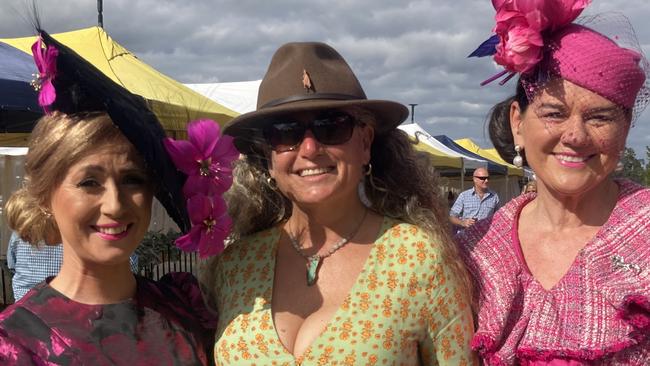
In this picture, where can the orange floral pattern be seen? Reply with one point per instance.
(405, 307)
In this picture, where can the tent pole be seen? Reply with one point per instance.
(100, 16)
(412, 112)
(462, 174)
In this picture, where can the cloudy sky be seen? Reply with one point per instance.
(408, 51)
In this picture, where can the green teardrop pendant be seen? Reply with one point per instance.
(312, 270)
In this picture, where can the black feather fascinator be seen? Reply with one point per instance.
(78, 86)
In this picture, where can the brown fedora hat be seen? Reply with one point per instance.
(307, 76)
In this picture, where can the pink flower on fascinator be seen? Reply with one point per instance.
(206, 158)
(520, 25)
(210, 225)
(520, 48)
(562, 13)
(45, 60)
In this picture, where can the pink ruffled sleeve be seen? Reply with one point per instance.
(636, 311)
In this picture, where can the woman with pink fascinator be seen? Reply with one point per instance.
(563, 275)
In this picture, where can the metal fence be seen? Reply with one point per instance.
(170, 260)
(7, 292)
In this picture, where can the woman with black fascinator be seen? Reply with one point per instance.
(95, 162)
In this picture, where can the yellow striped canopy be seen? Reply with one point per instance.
(489, 154)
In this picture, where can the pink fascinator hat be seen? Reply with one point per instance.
(543, 39)
(595, 62)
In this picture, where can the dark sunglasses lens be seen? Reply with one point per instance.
(334, 129)
(284, 135)
(482, 178)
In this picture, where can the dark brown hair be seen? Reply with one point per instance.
(499, 124)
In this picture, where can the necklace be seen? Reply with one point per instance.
(314, 261)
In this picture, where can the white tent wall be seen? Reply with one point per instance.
(239, 96)
(506, 187)
(12, 162)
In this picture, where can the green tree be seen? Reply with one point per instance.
(631, 167)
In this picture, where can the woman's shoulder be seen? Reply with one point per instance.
(396, 230)
(37, 304)
(24, 324)
(627, 231)
(14, 351)
(251, 244)
(401, 240)
(633, 200)
(20, 308)
(488, 250)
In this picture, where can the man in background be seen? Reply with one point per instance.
(31, 264)
(476, 203)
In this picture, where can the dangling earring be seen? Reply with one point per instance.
(272, 183)
(518, 161)
(46, 213)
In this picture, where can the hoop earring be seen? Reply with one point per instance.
(272, 183)
(518, 161)
(368, 170)
(371, 179)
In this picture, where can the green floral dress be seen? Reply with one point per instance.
(404, 309)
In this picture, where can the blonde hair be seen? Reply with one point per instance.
(403, 185)
(57, 142)
(530, 184)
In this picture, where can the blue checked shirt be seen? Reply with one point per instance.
(468, 205)
(32, 265)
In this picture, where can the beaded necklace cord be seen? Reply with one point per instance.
(314, 261)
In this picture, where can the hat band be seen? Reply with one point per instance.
(298, 98)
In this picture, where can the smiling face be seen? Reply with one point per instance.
(103, 205)
(314, 173)
(572, 137)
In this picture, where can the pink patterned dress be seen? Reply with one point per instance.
(598, 313)
(166, 323)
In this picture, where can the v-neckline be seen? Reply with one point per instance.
(362, 275)
(588, 246)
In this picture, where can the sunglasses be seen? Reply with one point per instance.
(333, 128)
(481, 178)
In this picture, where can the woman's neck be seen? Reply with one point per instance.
(318, 226)
(94, 284)
(559, 211)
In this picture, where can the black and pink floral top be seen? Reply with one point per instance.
(166, 323)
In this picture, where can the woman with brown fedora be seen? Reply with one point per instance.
(341, 249)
